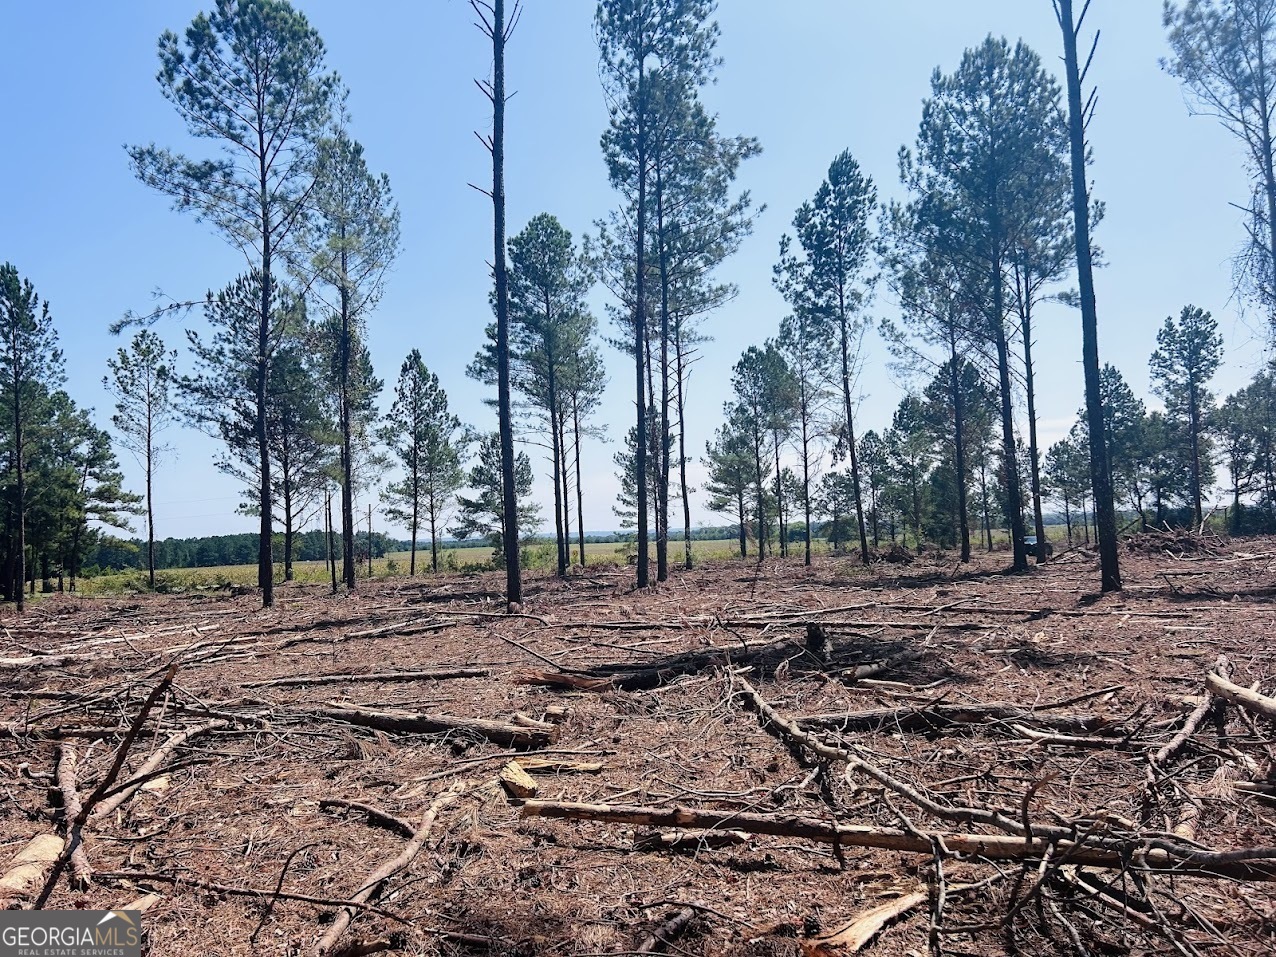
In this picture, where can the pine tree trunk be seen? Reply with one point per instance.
(565, 472)
(806, 481)
(150, 504)
(762, 527)
(434, 534)
(640, 321)
(1033, 456)
(332, 549)
(21, 476)
(959, 444)
(265, 557)
(779, 500)
(555, 430)
(509, 494)
(662, 462)
(347, 429)
(580, 490)
(1194, 426)
(682, 451)
(1014, 495)
(1100, 471)
(844, 333)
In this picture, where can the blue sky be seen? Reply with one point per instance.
(809, 78)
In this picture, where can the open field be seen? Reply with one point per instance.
(450, 560)
(970, 762)
(393, 564)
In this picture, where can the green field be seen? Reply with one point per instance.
(393, 564)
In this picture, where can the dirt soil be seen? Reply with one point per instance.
(231, 828)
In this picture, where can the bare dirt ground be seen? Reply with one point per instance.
(943, 716)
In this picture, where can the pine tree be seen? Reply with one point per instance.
(1224, 51)
(250, 76)
(423, 435)
(987, 161)
(730, 467)
(483, 513)
(1188, 353)
(825, 276)
(651, 51)
(142, 379)
(1078, 119)
(355, 243)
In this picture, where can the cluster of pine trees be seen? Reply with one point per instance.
(991, 229)
(61, 480)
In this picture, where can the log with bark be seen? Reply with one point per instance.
(1255, 864)
(522, 735)
(81, 870)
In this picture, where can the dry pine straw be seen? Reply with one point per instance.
(241, 806)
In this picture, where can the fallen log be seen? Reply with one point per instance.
(81, 870)
(939, 717)
(29, 866)
(1249, 700)
(439, 674)
(411, 722)
(986, 846)
(373, 885)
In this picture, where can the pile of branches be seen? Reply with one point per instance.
(1176, 542)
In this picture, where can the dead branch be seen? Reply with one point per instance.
(668, 932)
(438, 674)
(152, 764)
(1258, 863)
(985, 846)
(939, 716)
(410, 722)
(372, 886)
(375, 815)
(185, 880)
(1222, 668)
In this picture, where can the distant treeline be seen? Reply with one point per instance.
(114, 554)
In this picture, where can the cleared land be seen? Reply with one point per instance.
(746, 761)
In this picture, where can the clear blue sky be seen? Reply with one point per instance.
(809, 78)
